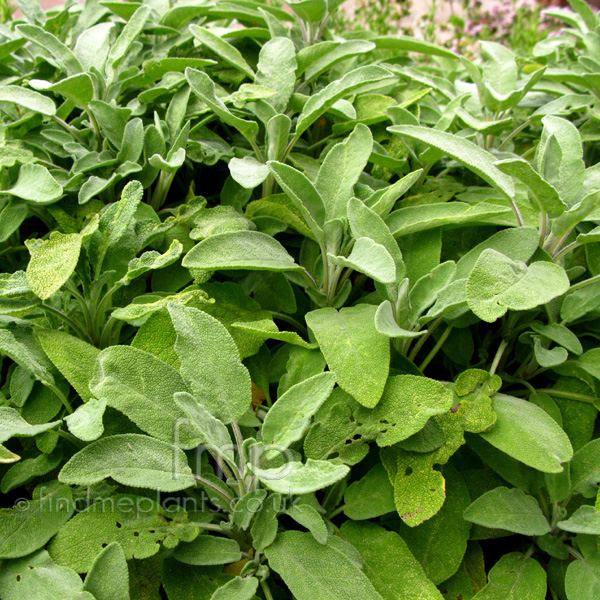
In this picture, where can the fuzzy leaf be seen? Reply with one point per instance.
(208, 550)
(298, 478)
(35, 184)
(355, 351)
(497, 284)
(370, 497)
(27, 99)
(23, 530)
(248, 172)
(108, 578)
(389, 564)
(586, 520)
(370, 258)
(131, 459)
(582, 580)
(251, 250)
(137, 523)
(141, 386)
(86, 422)
(466, 152)
(526, 432)
(210, 362)
(515, 577)
(240, 588)
(12, 424)
(289, 418)
(312, 570)
(510, 509)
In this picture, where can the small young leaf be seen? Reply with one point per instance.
(308, 517)
(248, 172)
(289, 418)
(370, 258)
(585, 520)
(86, 422)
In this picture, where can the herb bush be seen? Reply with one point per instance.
(285, 314)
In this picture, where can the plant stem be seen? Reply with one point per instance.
(436, 348)
(569, 395)
(290, 320)
(73, 324)
(266, 590)
(499, 353)
(584, 283)
(215, 488)
(423, 339)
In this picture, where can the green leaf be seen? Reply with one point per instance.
(289, 418)
(415, 219)
(250, 250)
(370, 497)
(298, 478)
(544, 193)
(365, 222)
(210, 362)
(240, 588)
(308, 517)
(152, 260)
(355, 351)
(86, 422)
(266, 329)
(388, 563)
(303, 194)
(27, 99)
(212, 432)
(585, 469)
(54, 260)
(264, 523)
(7, 457)
(350, 83)
(341, 169)
(137, 523)
(78, 88)
(92, 46)
(582, 580)
(222, 48)
(204, 87)
(26, 528)
(277, 70)
(36, 185)
(407, 403)
(38, 576)
(12, 424)
(131, 459)
(466, 152)
(515, 577)
(370, 258)
(411, 44)
(385, 323)
(425, 291)
(497, 284)
(510, 509)
(312, 570)
(559, 157)
(108, 578)
(248, 172)
(235, 309)
(208, 550)
(441, 561)
(121, 46)
(141, 386)
(73, 357)
(586, 520)
(560, 334)
(61, 55)
(529, 434)
(19, 343)
(419, 488)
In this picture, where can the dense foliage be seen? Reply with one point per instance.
(286, 314)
